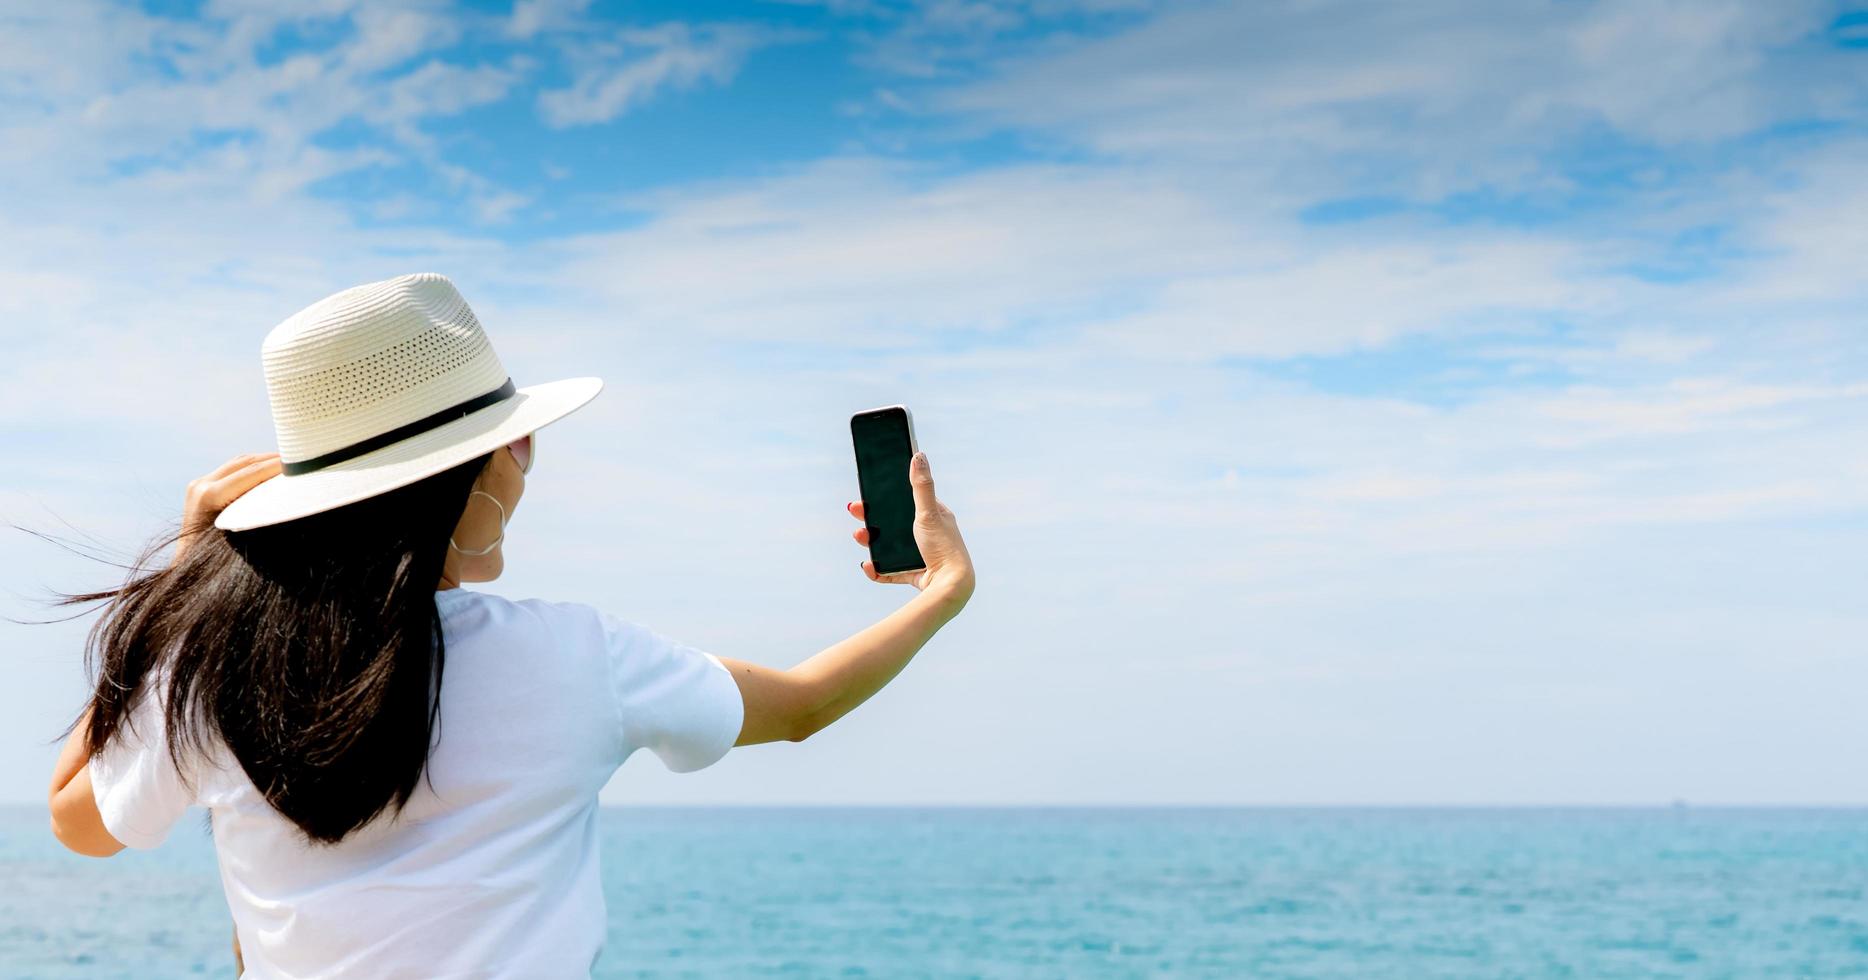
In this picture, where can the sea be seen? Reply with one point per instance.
(1091, 892)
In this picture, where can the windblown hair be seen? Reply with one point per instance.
(311, 648)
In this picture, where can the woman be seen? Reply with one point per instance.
(401, 773)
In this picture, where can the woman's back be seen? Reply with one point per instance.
(491, 870)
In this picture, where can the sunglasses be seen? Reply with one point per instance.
(522, 451)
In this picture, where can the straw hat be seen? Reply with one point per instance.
(380, 385)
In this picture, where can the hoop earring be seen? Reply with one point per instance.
(502, 527)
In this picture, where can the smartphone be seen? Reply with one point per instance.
(885, 440)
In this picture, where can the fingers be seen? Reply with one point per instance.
(861, 537)
(255, 472)
(236, 463)
(223, 490)
(921, 478)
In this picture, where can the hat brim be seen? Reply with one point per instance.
(283, 498)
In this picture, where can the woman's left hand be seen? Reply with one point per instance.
(209, 495)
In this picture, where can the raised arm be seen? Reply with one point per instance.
(791, 705)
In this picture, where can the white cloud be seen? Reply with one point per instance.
(870, 252)
(1339, 297)
(52, 53)
(615, 74)
(218, 117)
(531, 17)
(944, 38)
(1423, 98)
(388, 37)
(1812, 232)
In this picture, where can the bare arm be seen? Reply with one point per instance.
(794, 704)
(75, 820)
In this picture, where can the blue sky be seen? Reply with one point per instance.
(1443, 402)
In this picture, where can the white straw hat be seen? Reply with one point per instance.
(380, 385)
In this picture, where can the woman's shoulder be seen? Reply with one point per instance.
(472, 607)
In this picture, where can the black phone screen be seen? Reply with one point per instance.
(882, 451)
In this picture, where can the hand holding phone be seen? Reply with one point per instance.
(912, 537)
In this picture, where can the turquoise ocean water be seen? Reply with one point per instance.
(886, 892)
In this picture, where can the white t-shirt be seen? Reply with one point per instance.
(491, 872)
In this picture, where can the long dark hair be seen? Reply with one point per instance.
(311, 648)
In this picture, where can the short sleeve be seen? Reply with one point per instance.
(674, 700)
(139, 792)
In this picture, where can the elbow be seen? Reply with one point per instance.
(806, 725)
(59, 828)
(71, 831)
(79, 844)
(813, 714)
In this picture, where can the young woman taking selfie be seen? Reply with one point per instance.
(401, 773)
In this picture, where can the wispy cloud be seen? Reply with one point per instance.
(630, 66)
(1439, 94)
(205, 109)
(530, 17)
